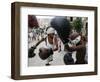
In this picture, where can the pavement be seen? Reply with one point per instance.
(57, 57)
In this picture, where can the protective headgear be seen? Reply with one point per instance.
(50, 31)
(74, 38)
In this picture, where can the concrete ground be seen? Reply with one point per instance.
(57, 57)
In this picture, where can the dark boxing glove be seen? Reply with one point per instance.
(68, 60)
(31, 52)
(44, 53)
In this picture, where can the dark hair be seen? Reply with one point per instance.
(62, 26)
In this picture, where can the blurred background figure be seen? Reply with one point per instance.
(32, 26)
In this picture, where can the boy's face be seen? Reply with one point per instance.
(51, 35)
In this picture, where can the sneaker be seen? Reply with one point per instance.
(47, 64)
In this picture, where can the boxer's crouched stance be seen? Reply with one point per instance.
(51, 45)
(80, 47)
(63, 28)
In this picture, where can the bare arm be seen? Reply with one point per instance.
(39, 42)
(56, 43)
